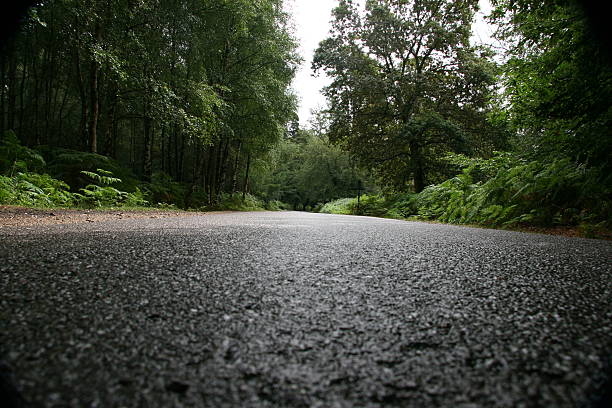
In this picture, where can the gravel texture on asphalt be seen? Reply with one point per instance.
(285, 309)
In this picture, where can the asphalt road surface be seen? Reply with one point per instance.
(286, 309)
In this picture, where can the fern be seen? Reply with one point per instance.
(102, 176)
(15, 158)
(502, 191)
(104, 195)
(38, 190)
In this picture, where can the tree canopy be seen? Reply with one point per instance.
(191, 88)
(407, 85)
(558, 80)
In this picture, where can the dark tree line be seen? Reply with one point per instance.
(195, 89)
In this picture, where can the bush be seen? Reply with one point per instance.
(390, 206)
(502, 191)
(103, 194)
(514, 191)
(403, 206)
(35, 190)
(340, 206)
(235, 202)
(371, 205)
(275, 205)
(164, 190)
(68, 165)
(17, 158)
(7, 190)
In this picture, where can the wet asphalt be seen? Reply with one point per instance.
(287, 309)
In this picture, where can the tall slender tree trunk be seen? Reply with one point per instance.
(245, 187)
(181, 158)
(212, 174)
(24, 74)
(3, 84)
(109, 134)
(83, 98)
(175, 145)
(50, 90)
(198, 163)
(163, 148)
(147, 163)
(133, 144)
(60, 113)
(222, 164)
(35, 76)
(94, 97)
(12, 92)
(235, 170)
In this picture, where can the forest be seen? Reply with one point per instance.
(189, 104)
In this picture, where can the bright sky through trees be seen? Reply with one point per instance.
(312, 22)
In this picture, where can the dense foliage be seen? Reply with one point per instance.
(554, 106)
(557, 81)
(407, 86)
(195, 89)
(305, 170)
(506, 190)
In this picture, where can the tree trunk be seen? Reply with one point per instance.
(174, 143)
(197, 166)
(418, 172)
(222, 164)
(181, 158)
(3, 85)
(83, 97)
(212, 174)
(21, 96)
(60, 114)
(109, 134)
(49, 90)
(12, 92)
(94, 97)
(246, 177)
(235, 171)
(163, 148)
(35, 75)
(147, 164)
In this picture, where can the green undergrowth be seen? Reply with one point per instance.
(43, 191)
(340, 206)
(49, 178)
(61, 178)
(245, 202)
(505, 191)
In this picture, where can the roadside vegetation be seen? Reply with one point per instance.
(504, 191)
(526, 142)
(28, 180)
(193, 110)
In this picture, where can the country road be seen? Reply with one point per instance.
(287, 309)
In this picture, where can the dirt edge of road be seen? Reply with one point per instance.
(15, 216)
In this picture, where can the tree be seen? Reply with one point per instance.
(250, 56)
(197, 89)
(407, 86)
(558, 82)
(306, 169)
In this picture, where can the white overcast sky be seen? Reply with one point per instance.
(311, 19)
